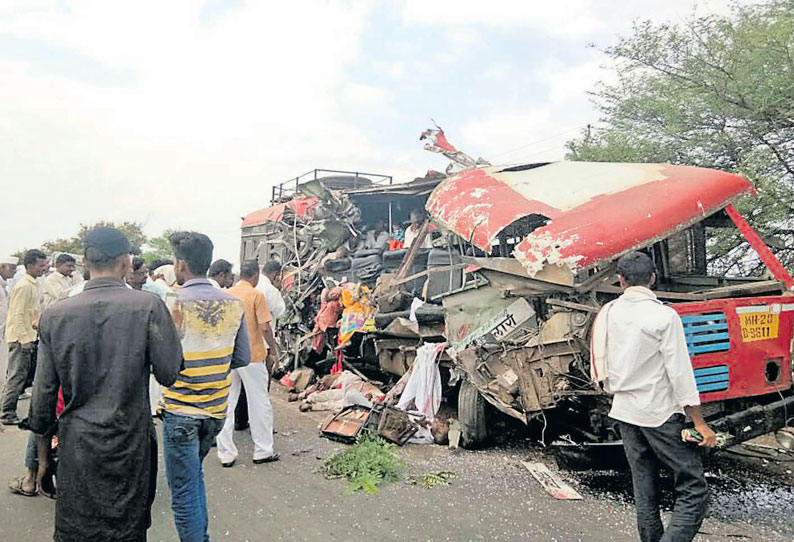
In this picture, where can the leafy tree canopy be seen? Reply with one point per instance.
(76, 244)
(159, 247)
(150, 248)
(717, 92)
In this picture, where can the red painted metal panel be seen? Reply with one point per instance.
(769, 259)
(609, 226)
(598, 211)
(477, 206)
(747, 361)
(301, 206)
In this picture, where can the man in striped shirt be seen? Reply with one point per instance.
(214, 341)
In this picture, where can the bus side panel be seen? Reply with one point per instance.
(739, 347)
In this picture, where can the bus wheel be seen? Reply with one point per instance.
(471, 414)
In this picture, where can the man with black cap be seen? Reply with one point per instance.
(100, 347)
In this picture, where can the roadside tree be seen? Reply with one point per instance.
(718, 92)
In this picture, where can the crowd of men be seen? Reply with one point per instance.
(118, 343)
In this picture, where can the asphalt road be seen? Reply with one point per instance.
(493, 498)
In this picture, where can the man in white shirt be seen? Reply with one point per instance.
(651, 377)
(8, 267)
(269, 284)
(161, 279)
(418, 219)
(58, 283)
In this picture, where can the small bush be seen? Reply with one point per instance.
(366, 464)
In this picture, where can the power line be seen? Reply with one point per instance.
(510, 151)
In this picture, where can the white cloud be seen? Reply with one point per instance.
(394, 70)
(367, 95)
(568, 18)
(570, 84)
(534, 134)
(216, 114)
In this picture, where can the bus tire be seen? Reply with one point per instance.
(471, 414)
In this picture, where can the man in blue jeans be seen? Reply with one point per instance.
(214, 341)
(649, 372)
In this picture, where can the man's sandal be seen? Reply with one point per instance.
(15, 485)
(271, 459)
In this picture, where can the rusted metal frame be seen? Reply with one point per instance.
(570, 305)
(599, 276)
(409, 278)
(297, 253)
(760, 287)
(537, 287)
(528, 391)
(510, 411)
(763, 251)
(674, 296)
(376, 178)
(415, 248)
(468, 285)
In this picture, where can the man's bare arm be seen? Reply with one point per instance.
(270, 339)
(696, 415)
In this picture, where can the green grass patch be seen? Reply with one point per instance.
(366, 464)
(430, 480)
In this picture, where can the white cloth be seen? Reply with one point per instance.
(410, 235)
(415, 305)
(598, 345)
(78, 289)
(423, 435)
(3, 357)
(168, 278)
(214, 283)
(648, 371)
(157, 288)
(424, 385)
(16, 278)
(3, 308)
(3, 315)
(260, 413)
(155, 394)
(57, 286)
(275, 302)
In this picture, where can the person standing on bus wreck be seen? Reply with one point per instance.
(649, 373)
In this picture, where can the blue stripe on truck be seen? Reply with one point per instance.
(714, 378)
(706, 333)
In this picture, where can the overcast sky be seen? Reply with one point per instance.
(183, 114)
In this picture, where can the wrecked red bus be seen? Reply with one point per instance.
(522, 259)
(549, 237)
